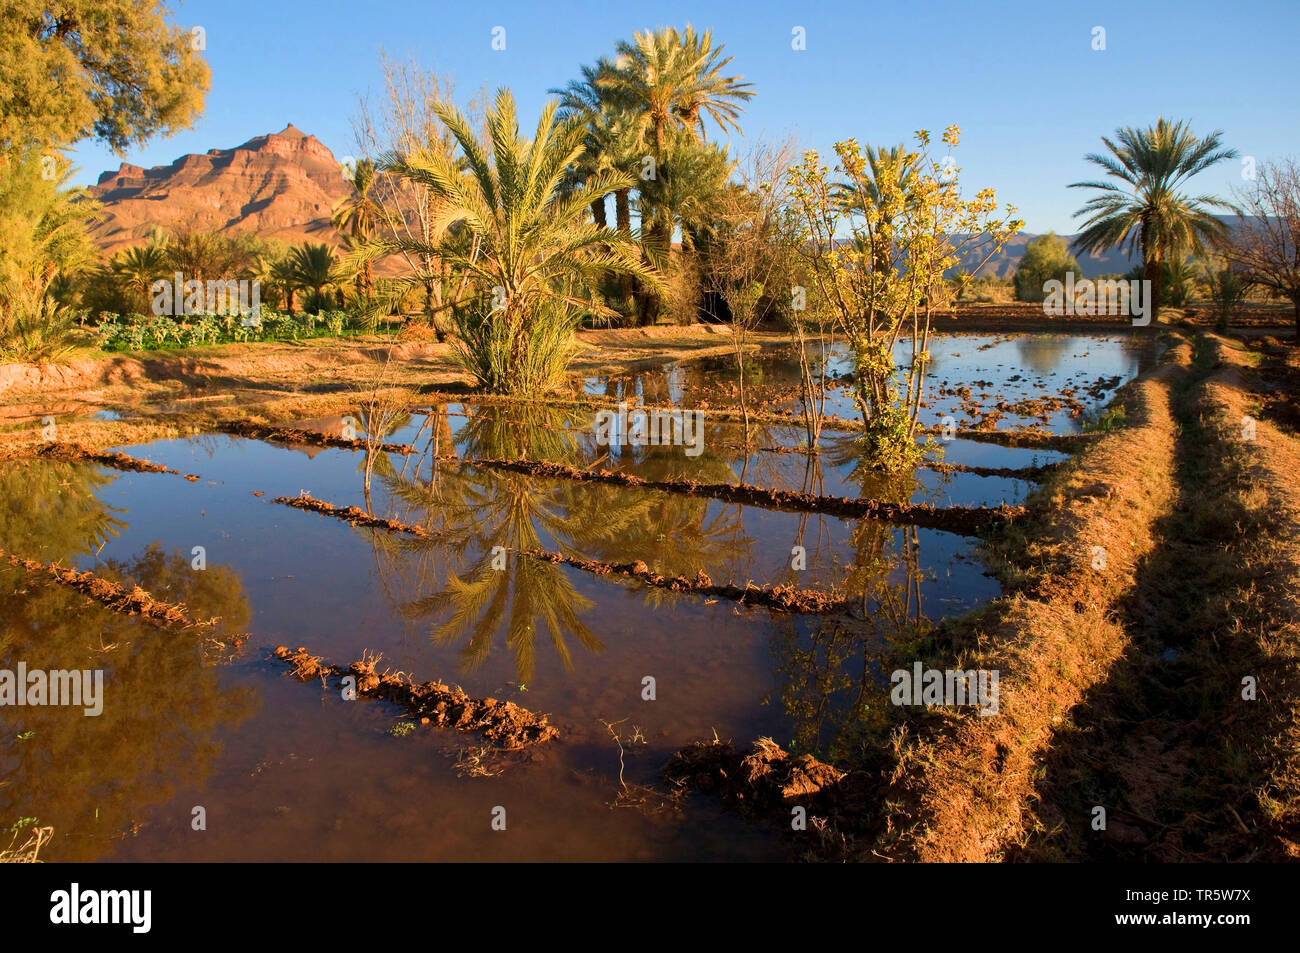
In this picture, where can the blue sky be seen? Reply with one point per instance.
(1020, 78)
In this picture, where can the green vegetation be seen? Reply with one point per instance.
(1046, 258)
(114, 70)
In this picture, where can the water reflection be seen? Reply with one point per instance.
(93, 778)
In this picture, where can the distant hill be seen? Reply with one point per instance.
(1004, 263)
(282, 185)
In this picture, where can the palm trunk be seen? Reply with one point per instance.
(1151, 273)
(598, 213)
(623, 220)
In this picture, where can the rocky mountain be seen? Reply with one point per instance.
(283, 185)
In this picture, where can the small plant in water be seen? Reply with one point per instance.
(401, 729)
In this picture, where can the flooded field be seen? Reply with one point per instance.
(627, 673)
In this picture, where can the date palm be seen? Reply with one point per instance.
(614, 142)
(312, 266)
(135, 269)
(1145, 208)
(531, 257)
(356, 217)
(670, 79)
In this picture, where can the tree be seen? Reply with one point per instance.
(42, 237)
(112, 69)
(357, 216)
(528, 250)
(135, 269)
(405, 122)
(1046, 258)
(613, 143)
(883, 285)
(1265, 245)
(1226, 287)
(666, 79)
(1146, 210)
(312, 265)
(748, 249)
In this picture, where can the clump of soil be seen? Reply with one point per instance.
(74, 453)
(766, 781)
(956, 519)
(783, 598)
(502, 723)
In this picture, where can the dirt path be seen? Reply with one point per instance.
(1192, 745)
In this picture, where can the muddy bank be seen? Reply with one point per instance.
(1025, 439)
(74, 453)
(780, 598)
(310, 438)
(117, 598)
(1030, 474)
(1214, 660)
(967, 520)
(501, 723)
(350, 514)
(963, 783)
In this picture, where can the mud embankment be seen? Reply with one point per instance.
(74, 453)
(962, 785)
(115, 597)
(501, 723)
(956, 519)
(309, 438)
(778, 598)
(351, 514)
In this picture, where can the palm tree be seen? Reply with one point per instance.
(281, 272)
(136, 268)
(1147, 210)
(666, 79)
(613, 142)
(312, 266)
(356, 217)
(530, 248)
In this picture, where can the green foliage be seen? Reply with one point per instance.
(112, 69)
(1046, 258)
(529, 255)
(530, 359)
(42, 237)
(137, 332)
(1226, 287)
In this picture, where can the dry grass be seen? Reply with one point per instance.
(962, 791)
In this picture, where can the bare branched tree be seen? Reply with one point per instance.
(748, 256)
(403, 121)
(1265, 245)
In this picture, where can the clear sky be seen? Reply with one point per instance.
(1020, 78)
